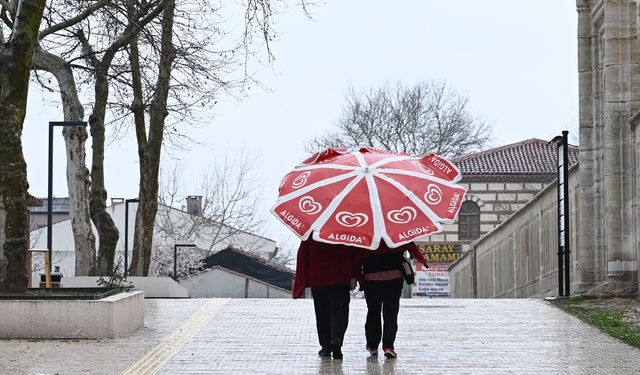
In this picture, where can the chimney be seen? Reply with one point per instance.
(194, 205)
(115, 201)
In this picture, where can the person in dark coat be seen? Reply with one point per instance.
(330, 271)
(383, 282)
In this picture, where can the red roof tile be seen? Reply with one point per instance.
(530, 157)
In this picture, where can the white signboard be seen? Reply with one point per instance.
(432, 282)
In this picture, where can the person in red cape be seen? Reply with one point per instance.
(330, 271)
(383, 281)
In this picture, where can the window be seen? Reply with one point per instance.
(469, 221)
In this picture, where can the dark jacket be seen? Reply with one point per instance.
(385, 258)
(321, 264)
(382, 262)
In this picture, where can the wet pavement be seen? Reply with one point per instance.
(277, 336)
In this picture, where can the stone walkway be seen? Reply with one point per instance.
(277, 336)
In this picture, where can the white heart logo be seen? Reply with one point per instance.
(309, 206)
(349, 219)
(301, 180)
(426, 170)
(403, 215)
(433, 194)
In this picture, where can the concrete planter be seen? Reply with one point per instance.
(114, 316)
(153, 287)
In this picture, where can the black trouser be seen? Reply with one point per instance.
(382, 297)
(332, 312)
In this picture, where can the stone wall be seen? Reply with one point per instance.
(497, 202)
(519, 257)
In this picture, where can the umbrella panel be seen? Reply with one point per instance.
(351, 222)
(300, 211)
(443, 200)
(303, 179)
(404, 220)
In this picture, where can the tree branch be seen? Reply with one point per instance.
(5, 18)
(72, 21)
(427, 117)
(130, 33)
(133, 29)
(10, 6)
(87, 50)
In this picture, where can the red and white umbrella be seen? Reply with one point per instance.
(359, 197)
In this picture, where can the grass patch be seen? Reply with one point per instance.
(609, 319)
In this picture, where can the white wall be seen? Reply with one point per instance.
(64, 249)
(114, 316)
(221, 283)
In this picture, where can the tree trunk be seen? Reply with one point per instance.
(107, 231)
(16, 56)
(149, 149)
(143, 235)
(78, 185)
(77, 173)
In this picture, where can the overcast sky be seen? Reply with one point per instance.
(515, 59)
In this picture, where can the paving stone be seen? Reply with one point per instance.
(99, 357)
(277, 336)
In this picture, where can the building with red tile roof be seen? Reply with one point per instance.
(531, 160)
(498, 181)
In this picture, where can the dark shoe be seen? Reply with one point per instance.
(390, 353)
(337, 353)
(336, 348)
(325, 352)
(372, 351)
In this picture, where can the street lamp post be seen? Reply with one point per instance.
(126, 234)
(50, 184)
(564, 251)
(175, 258)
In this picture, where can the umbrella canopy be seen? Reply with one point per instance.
(359, 197)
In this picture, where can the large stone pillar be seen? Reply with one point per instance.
(587, 225)
(635, 131)
(609, 89)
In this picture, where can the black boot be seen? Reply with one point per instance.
(325, 352)
(336, 348)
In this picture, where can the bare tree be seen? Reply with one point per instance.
(65, 22)
(50, 57)
(193, 69)
(285, 253)
(16, 56)
(428, 117)
(187, 75)
(189, 261)
(150, 143)
(57, 54)
(229, 217)
(122, 27)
